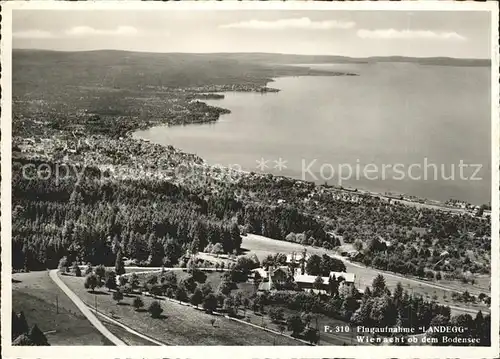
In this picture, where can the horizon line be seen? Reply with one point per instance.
(260, 52)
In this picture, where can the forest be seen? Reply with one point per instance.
(155, 222)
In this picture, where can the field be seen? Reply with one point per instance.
(213, 278)
(36, 295)
(179, 325)
(262, 246)
(124, 335)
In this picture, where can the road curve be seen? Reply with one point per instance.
(84, 309)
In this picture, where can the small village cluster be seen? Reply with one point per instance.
(295, 271)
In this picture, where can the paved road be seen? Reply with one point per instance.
(85, 310)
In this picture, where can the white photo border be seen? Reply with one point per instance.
(219, 352)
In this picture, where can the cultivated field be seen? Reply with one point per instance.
(36, 295)
(262, 246)
(180, 325)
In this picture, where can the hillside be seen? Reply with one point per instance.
(37, 69)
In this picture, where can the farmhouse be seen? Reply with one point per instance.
(296, 257)
(306, 281)
(278, 275)
(261, 272)
(349, 278)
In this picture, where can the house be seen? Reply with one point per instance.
(280, 274)
(296, 257)
(261, 271)
(349, 278)
(306, 282)
(264, 286)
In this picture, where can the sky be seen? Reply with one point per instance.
(461, 34)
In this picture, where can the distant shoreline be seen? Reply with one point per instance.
(405, 198)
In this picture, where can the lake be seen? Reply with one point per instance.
(398, 127)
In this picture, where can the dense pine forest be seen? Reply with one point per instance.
(155, 222)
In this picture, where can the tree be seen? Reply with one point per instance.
(267, 262)
(198, 275)
(330, 264)
(134, 281)
(75, 268)
(37, 337)
(63, 264)
(358, 245)
(122, 280)
(181, 294)
(117, 296)
(126, 289)
(110, 281)
(295, 324)
(156, 290)
(281, 328)
(306, 318)
(19, 324)
(100, 272)
(254, 304)
(383, 312)
(225, 287)
(138, 303)
(155, 309)
(78, 271)
(333, 286)
(91, 282)
(170, 279)
(318, 283)
(210, 303)
(197, 297)
(238, 300)
(362, 315)
(217, 249)
(276, 314)
(398, 295)
(119, 264)
(311, 335)
(228, 306)
(313, 265)
(378, 285)
(88, 269)
(188, 283)
(235, 236)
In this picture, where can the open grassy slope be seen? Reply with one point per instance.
(36, 294)
(180, 325)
